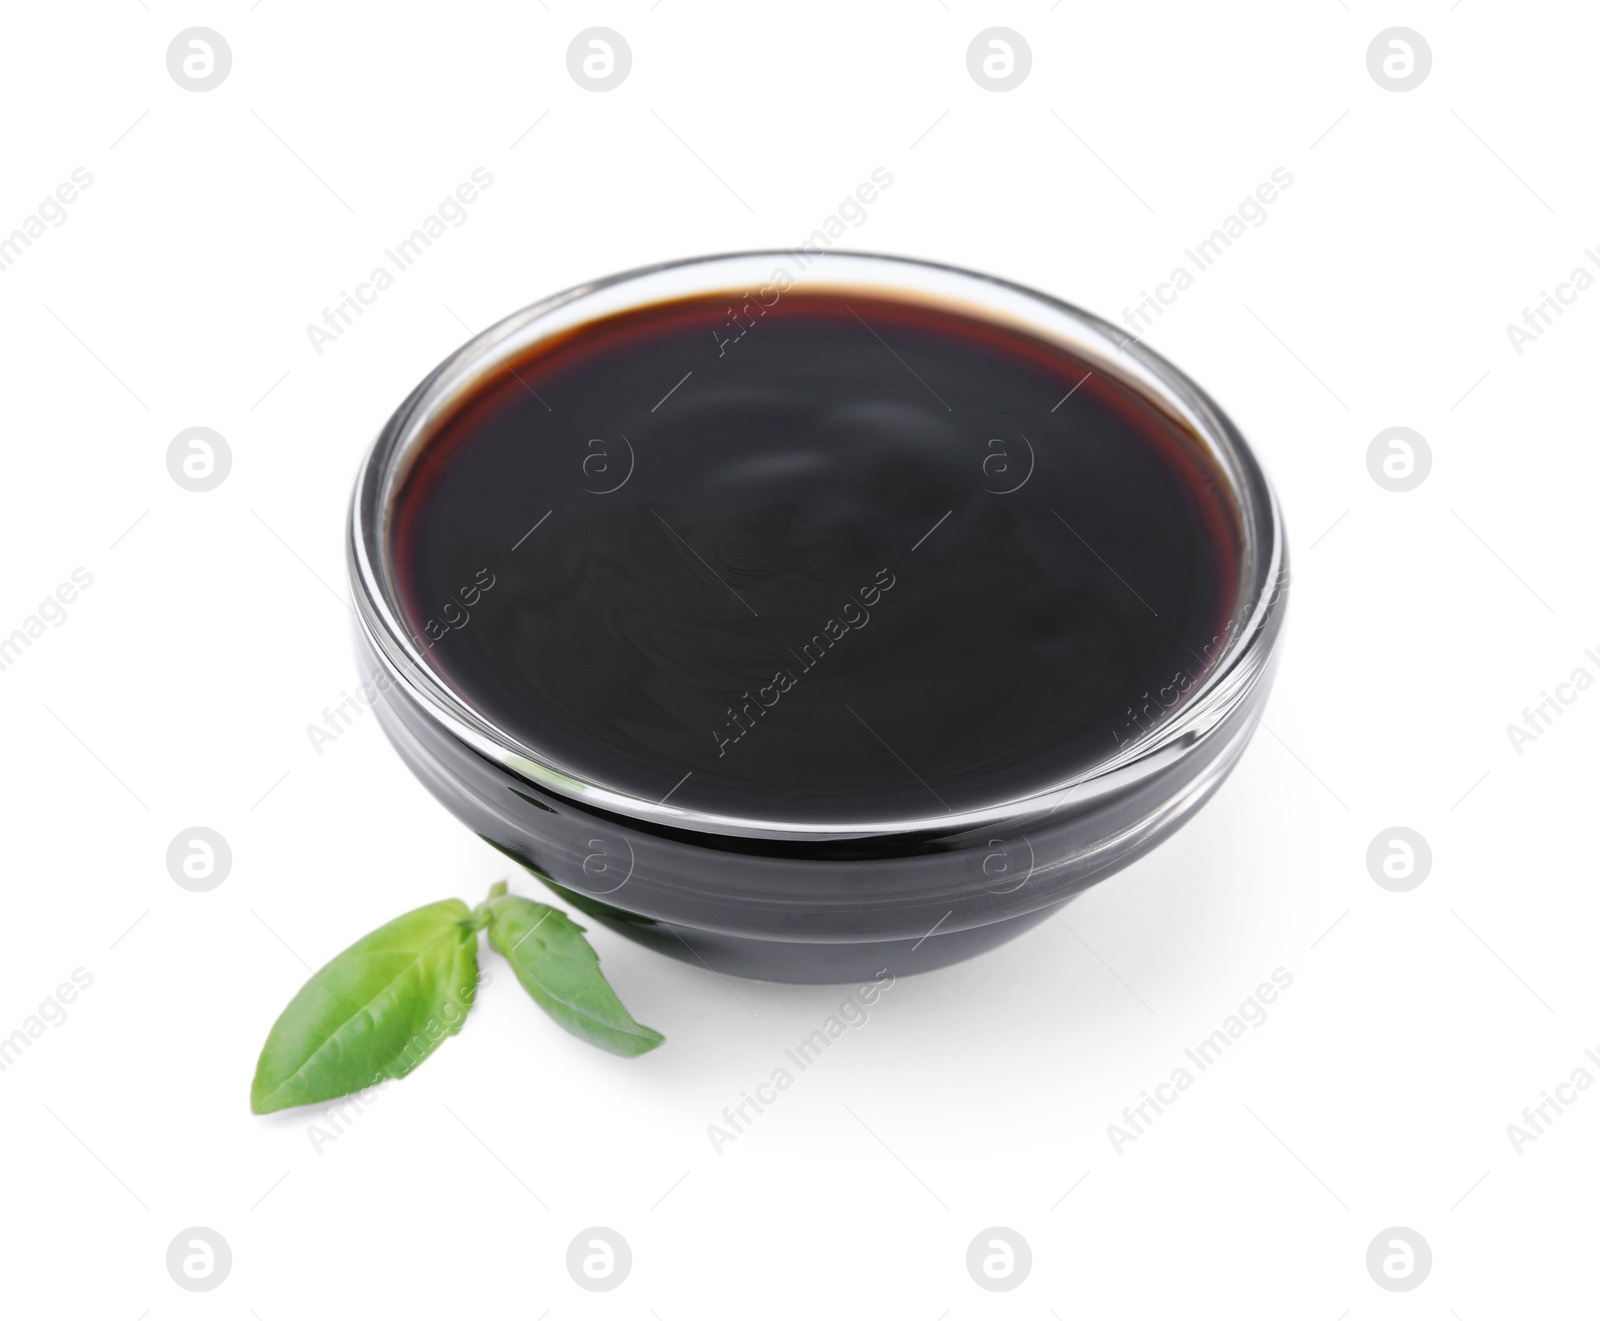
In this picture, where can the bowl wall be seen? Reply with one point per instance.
(813, 903)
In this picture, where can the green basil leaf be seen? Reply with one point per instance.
(561, 971)
(374, 1012)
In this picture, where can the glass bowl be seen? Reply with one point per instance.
(814, 901)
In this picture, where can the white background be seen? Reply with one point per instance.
(178, 691)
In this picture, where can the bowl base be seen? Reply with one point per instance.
(818, 963)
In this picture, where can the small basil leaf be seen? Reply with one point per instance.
(561, 971)
(374, 1012)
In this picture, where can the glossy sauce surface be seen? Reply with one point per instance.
(834, 559)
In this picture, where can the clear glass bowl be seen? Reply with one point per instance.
(814, 901)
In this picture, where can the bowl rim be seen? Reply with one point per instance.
(1243, 659)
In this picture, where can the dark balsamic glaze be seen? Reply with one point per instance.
(839, 559)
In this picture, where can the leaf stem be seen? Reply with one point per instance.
(479, 917)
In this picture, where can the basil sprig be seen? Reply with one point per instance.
(384, 1005)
